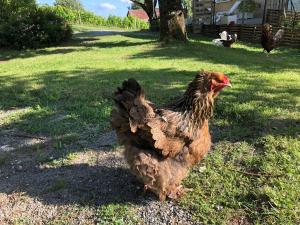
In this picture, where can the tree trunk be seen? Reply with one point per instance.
(172, 22)
(154, 26)
(149, 7)
(151, 12)
(79, 16)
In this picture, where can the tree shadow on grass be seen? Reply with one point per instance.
(82, 101)
(84, 96)
(83, 39)
(199, 49)
(202, 51)
(133, 34)
(7, 55)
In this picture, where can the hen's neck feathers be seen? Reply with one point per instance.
(196, 105)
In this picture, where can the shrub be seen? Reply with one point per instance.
(10, 8)
(34, 28)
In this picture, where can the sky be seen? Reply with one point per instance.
(101, 7)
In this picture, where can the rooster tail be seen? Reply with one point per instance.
(278, 36)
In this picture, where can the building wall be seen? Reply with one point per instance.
(297, 5)
(258, 13)
(224, 6)
(201, 14)
(273, 4)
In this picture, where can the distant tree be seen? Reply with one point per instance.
(187, 5)
(71, 4)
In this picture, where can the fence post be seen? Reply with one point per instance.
(264, 13)
(240, 31)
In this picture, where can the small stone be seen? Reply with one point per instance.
(202, 169)
(19, 168)
(219, 207)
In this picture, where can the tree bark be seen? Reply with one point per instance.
(149, 7)
(172, 22)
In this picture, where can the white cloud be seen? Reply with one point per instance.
(126, 1)
(107, 6)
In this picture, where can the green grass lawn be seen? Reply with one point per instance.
(253, 173)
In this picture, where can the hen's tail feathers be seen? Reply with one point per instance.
(132, 109)
(125, 96)
(278, 36)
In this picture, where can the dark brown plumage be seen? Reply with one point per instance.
(269, 42)
(161, 145)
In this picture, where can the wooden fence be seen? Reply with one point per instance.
(250, 33)
(279, 18)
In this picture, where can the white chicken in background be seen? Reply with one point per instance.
(225, 39)
(223, 35)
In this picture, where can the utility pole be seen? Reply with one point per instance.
(213, 12)
(264, 14)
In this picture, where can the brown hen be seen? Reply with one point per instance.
(161, 145)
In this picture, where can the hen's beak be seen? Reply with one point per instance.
(228, 85)
(226, 82)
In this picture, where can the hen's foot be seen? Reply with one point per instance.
(146, 188)
(179, 192)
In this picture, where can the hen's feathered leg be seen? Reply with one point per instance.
(178, 192)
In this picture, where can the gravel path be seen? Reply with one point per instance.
(36, 190)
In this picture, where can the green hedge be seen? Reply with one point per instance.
(85, 17)
(33, 28)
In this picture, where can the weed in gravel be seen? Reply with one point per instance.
(116, 214)
(4, 159)
(58, 185)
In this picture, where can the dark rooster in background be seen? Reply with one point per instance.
(161, 145)
(269, 42)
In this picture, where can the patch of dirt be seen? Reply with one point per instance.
(11, 140)
(155, 212)
(18, 208)
(33, 192)
(239, 220)
(7, 113)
